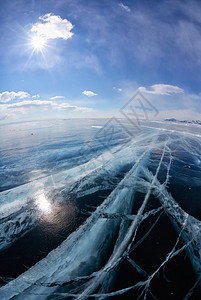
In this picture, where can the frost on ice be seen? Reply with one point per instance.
(141, 176)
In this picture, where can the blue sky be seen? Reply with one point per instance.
(81, 58)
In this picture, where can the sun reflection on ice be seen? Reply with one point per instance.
(43, 204)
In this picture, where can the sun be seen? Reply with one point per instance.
(38, 46)
(38, 43)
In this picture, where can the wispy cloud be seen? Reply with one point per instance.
(165, 98)
(52, 27)
(8, 96)
(89, 93)
(162, 89)
(124, 7)
(57, 97)
(180, 114)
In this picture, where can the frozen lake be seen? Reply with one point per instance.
(100, 207)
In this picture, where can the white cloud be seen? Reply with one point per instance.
(117, 89)
(31, 103)
(36, 96)
(57, 97)
(89, 93)
(28, 105)
(52, 27)
(162, 89)
(8, 96)
(67, 106)
(124, 7)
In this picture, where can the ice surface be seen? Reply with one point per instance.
(87, 262)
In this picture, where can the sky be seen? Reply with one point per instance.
(89, 58)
